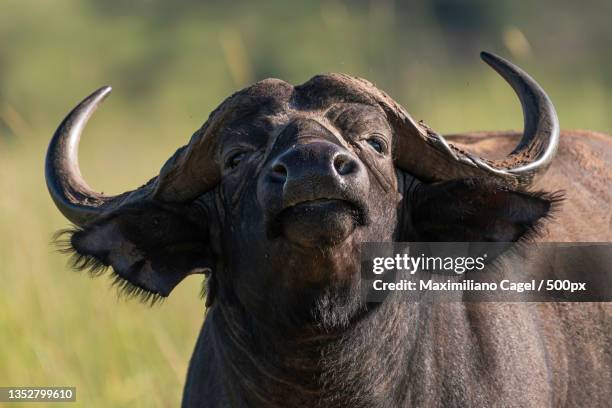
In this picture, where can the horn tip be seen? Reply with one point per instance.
(104, 91)
(489, 58)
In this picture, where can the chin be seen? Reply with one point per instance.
(319, 223)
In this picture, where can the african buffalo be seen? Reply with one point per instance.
(271, 198)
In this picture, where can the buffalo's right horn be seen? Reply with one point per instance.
(188, 173)
(71, 194)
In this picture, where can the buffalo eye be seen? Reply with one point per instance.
(376, 143)
(235, 159)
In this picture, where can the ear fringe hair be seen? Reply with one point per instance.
(78, 262)
(208, 292)
(205, 293)
(95, 268)
(127, 290)
(555, 200)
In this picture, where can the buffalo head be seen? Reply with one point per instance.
(273, 195)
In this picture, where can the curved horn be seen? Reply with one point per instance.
(71, 194)
(540, 140)
(187, 174)
(429, 156)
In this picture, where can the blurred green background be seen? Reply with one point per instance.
(170, 64)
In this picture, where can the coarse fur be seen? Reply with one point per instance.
(307, 175)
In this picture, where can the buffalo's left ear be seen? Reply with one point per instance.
(151, 247)
(477, 210)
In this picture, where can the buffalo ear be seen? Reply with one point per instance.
(478, 210)
(151, 247)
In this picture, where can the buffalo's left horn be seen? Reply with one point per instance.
(428, 155)
(71, 194)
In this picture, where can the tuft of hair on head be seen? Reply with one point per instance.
(95, 267)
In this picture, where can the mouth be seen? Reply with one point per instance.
(318, 223)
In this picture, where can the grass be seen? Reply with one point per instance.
(61, 328)
(58, 327)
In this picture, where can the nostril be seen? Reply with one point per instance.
(279, 171)
(344, 164)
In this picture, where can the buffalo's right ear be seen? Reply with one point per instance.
(150, 246)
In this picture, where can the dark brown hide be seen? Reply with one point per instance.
(272, 198)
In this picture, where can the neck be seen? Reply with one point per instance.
(355, 366)
(399, 354)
